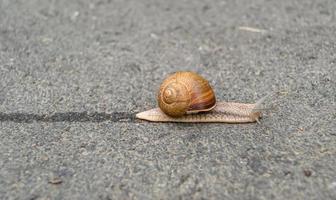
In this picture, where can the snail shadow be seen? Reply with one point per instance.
(68, 117)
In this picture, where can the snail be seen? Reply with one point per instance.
(188, 97)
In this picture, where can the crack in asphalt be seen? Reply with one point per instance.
(68, 117)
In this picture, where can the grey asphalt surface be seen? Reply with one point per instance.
(73, 73)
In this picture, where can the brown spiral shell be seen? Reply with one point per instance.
(184, 93)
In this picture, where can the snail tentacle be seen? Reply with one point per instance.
(259, 104)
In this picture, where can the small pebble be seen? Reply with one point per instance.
(307, 172)
(55, 181)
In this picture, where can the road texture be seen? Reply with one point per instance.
(73, 73)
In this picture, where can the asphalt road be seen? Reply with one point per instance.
(73, 73)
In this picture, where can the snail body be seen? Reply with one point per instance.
(188, 97)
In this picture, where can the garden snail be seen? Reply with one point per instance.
(188, 97)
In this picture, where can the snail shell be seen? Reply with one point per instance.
(185, 93)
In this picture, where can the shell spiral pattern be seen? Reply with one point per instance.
(185, 93)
